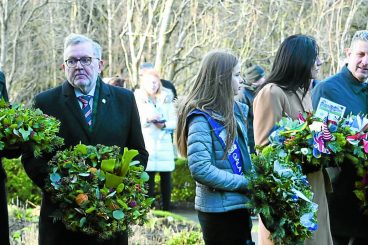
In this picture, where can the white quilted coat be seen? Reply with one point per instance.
(158, 141)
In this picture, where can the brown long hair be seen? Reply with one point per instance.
(212, 90)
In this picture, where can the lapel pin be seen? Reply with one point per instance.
(103, 101)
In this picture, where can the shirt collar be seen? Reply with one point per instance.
(78, 92)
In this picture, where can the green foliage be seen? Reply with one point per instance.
(18, 183)
(183, 183)
(169, 228)
(19, 125)
(186, 237)
(98, 191)
(23, 214)
(282, 197)
(307, 144)
(296, 138)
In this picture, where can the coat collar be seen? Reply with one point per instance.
(102, 108)
(352, 82)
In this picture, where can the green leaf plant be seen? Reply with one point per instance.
(99, 191)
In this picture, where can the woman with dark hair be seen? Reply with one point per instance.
(286, 93)
(212, 133)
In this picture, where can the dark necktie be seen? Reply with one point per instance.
(86, 108)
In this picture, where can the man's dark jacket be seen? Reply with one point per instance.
(115, 122)
(346, 218)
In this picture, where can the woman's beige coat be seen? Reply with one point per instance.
(270, 104)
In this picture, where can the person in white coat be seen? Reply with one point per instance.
(158, 120)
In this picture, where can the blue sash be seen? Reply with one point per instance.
(234, 155)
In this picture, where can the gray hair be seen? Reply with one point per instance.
(74, 39)
(361, 35)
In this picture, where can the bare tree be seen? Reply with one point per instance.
(172, 34)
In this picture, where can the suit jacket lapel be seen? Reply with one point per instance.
(73, 107)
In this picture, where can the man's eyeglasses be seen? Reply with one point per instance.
(85, 61)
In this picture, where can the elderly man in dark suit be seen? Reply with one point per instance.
(91, 112)
(4, 223)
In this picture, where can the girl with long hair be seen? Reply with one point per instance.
(286, 92)
(212, 134)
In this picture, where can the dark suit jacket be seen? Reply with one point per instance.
(116, 123)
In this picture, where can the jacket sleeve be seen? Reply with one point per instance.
(10, 153)
(201, 160)
(268, 109)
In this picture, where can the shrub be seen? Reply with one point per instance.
(19, 185)
(183, 183)
(164, 228)
(186, 237)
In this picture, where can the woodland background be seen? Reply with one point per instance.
(174, 35)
